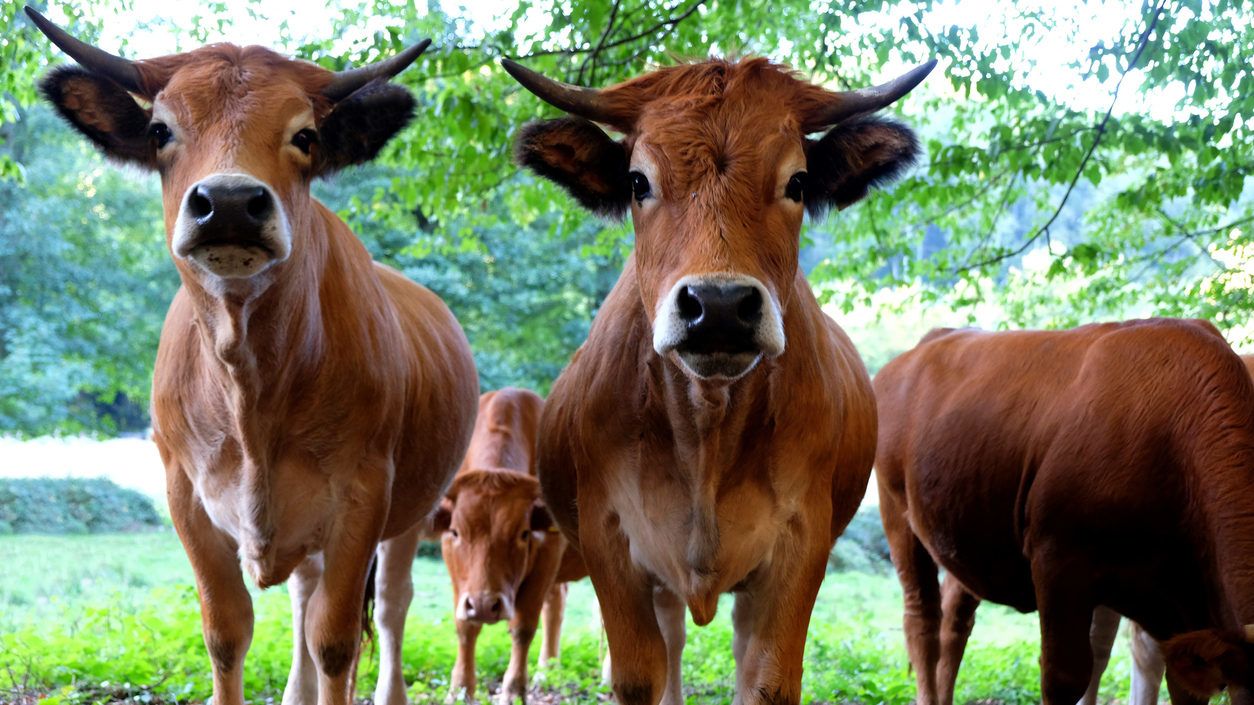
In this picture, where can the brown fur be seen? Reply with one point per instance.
(498, 539)
(1063, 470)
(303, 416)
(671, 484)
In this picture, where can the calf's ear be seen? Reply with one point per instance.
(578, 156)
(102, 111)
(443, 517)
(1207, 661)
(541, 520)
(854, 156)
(361, 124)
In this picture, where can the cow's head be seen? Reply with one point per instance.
(237, 134)
(1207, 661)
(717, 168)
(489, 520)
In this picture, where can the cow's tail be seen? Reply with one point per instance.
(367, 605)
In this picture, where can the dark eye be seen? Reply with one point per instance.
(796, 186)
(525, 535)
(305, 139)
(640, 186)
(454, 533)
(159, 134)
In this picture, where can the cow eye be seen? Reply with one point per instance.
(796, 186)
(640, 186)
(160, 134)
(305, 139)
(525, 535)
(454, 533)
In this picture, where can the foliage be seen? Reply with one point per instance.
(1100, 176)
(863, 547)
(82, 618)
(72, 506)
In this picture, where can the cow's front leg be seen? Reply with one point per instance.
(226, 610)
(625, 593)
(334, 621)
(394, 590)
(672, 617)
(302, 679)
(771, 617)
(462, 684)
(528, 604)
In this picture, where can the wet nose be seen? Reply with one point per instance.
(485, 607)
(230, 207)
(719, 317)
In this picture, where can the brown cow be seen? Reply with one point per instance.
(1147, 659)
(715, 433)
(310, 405)
(499, 542)
(1109, 465)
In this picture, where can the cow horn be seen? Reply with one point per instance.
(1249, 633)
(116, 68)
(585, 102)
(348, 81)
(865, 100)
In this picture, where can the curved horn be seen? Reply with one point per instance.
(120, 70)
(865, 100)
(347, 81)
(584, 102)
(1249, 633)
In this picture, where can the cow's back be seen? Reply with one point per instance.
(506, 431)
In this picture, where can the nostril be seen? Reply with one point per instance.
(259, 203)
(470, 606)
(688, 305)
(496, 606)
(199, 203)
(750, 308)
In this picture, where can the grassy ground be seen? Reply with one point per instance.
(114, 618)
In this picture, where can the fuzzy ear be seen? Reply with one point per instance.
(358, 126)
(443, 517)
(576, 155)
(541, 520)
(854, 156)
(103, 111)
(1206, 661)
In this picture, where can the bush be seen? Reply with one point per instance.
(73, 506)
(863, 547)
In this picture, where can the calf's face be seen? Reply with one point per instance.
(237, 135)
(490, 520)
(717, 170)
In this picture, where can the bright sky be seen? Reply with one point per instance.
(1080, 26)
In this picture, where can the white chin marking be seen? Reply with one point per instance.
(231, 261)
(719, 365)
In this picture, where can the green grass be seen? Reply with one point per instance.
(99, 618)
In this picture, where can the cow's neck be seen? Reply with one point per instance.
(259, 341)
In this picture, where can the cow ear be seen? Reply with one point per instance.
(541, 520)
(443, 517)
(578, 156)
(854, 156)
(358, 126)
(1206, 661)
(103, 111)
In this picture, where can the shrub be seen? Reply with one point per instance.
(73, 506)
(863, 547)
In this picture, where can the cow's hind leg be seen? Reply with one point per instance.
(551, 617)
(226, 609)
(1066, 618)
(1148, 668)
(394, 590)
(958, 607)
(1101, 639)
(921, 593)
(672, 616)
(302, 679)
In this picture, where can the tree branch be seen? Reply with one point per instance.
(591, 56)
(1097, 140)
